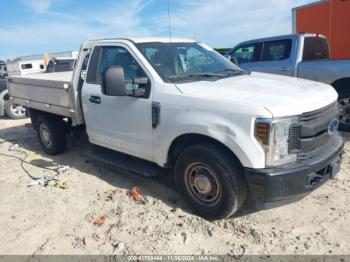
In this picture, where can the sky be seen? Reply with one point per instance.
(30, 27)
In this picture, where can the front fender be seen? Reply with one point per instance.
(233, 131)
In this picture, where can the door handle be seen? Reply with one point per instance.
(285, 69)
(95, 99)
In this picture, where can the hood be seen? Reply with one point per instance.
(281, 95)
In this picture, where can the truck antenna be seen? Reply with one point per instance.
(169, 20)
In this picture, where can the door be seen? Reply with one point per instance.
(246, 55)
(276, 58)
(121, 123)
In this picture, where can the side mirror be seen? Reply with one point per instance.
(113, 82)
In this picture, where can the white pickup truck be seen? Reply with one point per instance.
(180, 105)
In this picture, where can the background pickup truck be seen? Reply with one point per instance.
(149, 105)
(299, 55)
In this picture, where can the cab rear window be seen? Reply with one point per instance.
(315, 48)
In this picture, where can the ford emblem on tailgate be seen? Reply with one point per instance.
(333, 126)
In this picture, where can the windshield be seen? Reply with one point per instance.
(179, 62)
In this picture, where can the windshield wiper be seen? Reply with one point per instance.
(234, 72)
(210, 74)
(175, 77)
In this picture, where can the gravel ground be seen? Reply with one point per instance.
(95, 215)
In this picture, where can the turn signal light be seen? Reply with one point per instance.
(262, 133)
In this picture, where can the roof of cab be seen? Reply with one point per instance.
(161, 39)
(141, 40)
(279, 37)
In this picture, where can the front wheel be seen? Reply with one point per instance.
(211, 181)
(52, 134)
(14, 111)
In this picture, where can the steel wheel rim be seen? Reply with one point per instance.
(45, 135)
(18, 110)
(344, 108)
(203, 184)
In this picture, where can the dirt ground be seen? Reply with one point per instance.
(52, 220)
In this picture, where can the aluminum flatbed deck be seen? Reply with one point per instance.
(50, 92)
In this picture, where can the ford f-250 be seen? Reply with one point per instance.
(180, 105)
(299, 55)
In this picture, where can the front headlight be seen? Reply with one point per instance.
(273, 134)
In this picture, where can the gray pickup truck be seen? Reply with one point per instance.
(299, 55)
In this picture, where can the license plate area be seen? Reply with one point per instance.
(325, 173)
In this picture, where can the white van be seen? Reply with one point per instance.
(25, 67)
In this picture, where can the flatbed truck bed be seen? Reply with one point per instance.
(50, 92)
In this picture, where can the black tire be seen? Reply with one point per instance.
(222, 170)
(344, 106)
(54, 127)
(15, 112)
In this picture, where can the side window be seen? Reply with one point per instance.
(119, 56)
(104, 57)
(276, 50)
(247, 53)
(26, 66)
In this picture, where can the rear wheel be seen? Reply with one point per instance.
(211, 181)
(344, 108)
(51, 133)
(15, 111)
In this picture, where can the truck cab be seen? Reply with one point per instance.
(280, 54)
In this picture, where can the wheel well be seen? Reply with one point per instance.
(185, 141)
(34, 114)
(340, 84)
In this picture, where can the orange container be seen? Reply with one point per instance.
(330, 18)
